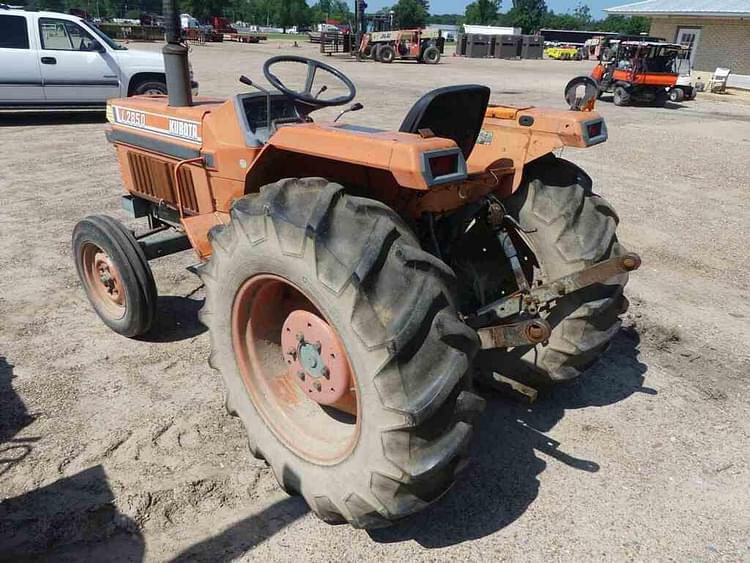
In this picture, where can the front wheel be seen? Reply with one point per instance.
(341, 350)
(431, 55)
(569, 228)
(620, 96)
(115, 274)
(386, 54)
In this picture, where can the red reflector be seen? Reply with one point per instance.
(443, 165)
(595, 129)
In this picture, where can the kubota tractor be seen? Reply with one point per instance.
(638, 71)
(357, 279)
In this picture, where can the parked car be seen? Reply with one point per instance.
(48, 59)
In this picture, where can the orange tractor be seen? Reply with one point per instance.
(638, 71)
(357, 279)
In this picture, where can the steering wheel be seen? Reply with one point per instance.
(306, 96)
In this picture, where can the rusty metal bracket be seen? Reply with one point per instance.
(539, 297)
(523, 333)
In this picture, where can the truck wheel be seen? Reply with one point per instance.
(341, 350)
(571, 228)
(431, 55)
(676, 95)
(115, 274)
(386, 54)
(150, 88)
(620, 96)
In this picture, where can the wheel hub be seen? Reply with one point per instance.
(315, 358)
(108, 278)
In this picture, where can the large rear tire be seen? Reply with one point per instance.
(571, 228)
(361, 270)
(386, 54)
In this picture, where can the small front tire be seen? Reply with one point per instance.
(115, 273)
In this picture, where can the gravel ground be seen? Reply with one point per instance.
(117, 449)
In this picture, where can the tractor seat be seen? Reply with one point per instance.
(452, 112)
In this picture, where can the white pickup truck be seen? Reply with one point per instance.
(48, 59)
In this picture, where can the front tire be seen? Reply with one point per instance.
(386, 54)
(431, 55)
(355, 264)
(115, 273)
(620, 96)
(571, 228)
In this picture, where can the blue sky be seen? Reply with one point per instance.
(458, 6)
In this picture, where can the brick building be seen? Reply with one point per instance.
(717, 30)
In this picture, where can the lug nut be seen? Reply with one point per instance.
(292, 352)
(317, 346)
(317, 385)
(325, 373)
(301, 375)
(300, 337)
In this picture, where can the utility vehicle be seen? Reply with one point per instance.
(638, 71)
(419, 45)
(353, 275)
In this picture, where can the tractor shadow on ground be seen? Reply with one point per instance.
(501, 482)
(14, 417)
(176, 319)
(667, 105)
(60, 117)
(72, 519)
(244, 535)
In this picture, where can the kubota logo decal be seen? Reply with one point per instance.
(163, 125)
(184, 129)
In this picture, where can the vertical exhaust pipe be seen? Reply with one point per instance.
(175, 58)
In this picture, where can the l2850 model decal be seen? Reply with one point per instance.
(163, 125)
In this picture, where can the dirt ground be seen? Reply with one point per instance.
(117, 449)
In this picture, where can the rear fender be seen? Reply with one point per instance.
(521, 135)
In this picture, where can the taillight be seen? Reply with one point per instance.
(595, 129)
(594, 132)
(443, 165)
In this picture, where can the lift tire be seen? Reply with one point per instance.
(98, 234)
(676, 95)
(391, 307)
(386, 54)
(431, 55)
(571, 228)
(620, 96)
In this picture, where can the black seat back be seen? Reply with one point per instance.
(452, 112)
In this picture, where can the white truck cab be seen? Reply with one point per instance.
(48, 59)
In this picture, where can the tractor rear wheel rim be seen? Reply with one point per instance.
(103, 280)
(295, 369)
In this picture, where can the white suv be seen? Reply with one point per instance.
(49, 59)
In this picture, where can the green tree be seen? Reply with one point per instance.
(528, 14)
(582, 13)
(482, 12)
(409, 14)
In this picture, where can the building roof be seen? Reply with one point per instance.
(696, 8)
